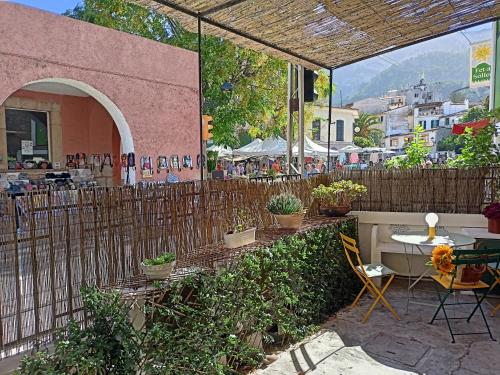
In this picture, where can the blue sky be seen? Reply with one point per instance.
(55, 6)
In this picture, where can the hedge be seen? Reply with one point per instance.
(207, 322)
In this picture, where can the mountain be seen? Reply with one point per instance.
(447, 71)
(443, 60)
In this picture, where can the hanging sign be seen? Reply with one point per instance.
(480, 64)
(26, 147)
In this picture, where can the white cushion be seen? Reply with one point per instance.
(376, 270)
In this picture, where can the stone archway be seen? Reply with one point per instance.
(127, 143)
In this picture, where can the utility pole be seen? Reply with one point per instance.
(301, 119)
(289, 128)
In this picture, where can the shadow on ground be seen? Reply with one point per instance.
(384, 345)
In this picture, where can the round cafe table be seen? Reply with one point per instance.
(420, 240)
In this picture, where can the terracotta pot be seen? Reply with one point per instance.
(335, 211)
(234, 240)
(293, 221)
(161, 272)
(470, 274)
(494, 226)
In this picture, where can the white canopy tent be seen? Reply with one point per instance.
(313, 149)
(221, 151)
(273, 146)
(350, 149)
(250, 149)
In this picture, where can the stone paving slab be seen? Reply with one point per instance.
(385, 345)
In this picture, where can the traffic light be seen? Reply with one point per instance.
(310, 77)
(207, 127)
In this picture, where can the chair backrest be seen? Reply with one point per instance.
(475, 257)
(351, 250)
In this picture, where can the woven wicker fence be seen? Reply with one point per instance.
(53, 243)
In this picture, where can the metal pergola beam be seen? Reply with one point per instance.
(220, 7)
(210, 22)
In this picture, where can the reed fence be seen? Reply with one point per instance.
(52, 243)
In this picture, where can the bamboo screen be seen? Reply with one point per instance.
(54, 242)
(330, 33)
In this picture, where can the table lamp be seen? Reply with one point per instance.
(431, 219)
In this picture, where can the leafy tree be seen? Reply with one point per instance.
(475, 114)
(478, 149)
(363, 142)
(415, 153)
(452, 142)
(258, 96)
(368, 133)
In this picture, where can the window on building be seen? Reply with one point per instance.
(31, 126)
(340, 130)
(434, 124)
(316, 130)
(447, 121)
(394, 143)
(381, 118)
(416, 95)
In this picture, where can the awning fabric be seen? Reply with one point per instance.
(313, 149)
(460, 128)
(250, 149)
(221, 150)
(327, 33)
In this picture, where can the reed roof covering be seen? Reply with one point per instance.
(327, 33)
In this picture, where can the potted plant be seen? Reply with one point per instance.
(241, 231)
(336, 199)
(287, 209)
(159, 268)
(442, 261)
(492, 212)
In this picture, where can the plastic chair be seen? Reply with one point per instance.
(367, 272)
(484, 257)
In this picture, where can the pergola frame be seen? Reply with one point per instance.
(458, 11)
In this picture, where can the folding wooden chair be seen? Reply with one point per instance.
(496, 274)
(463, 258)
(366, 272)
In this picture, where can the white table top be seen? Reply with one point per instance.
(422, 239)
(481, 233)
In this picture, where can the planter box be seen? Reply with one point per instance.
(334, 211)
(160, 272)
(234, 240)
(494, 226)
(293, 221)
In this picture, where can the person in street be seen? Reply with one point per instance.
(363, 165)
(276, 166)
(338, 165)
(230, 168)
(314, 170)
(249, 168)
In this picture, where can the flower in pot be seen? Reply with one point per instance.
(287, 209)
(159, 268)
(442, 260)
(336, 199)
(492, 212)
(241, 230)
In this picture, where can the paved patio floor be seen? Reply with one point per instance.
(384, 345)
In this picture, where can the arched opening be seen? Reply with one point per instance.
(58, 118)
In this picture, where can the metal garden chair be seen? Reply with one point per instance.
(367, 272)
(486, 257)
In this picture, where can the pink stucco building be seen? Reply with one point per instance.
(104, 91)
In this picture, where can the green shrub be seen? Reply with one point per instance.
(108, 345)
(285, 204)
(160, 259)
(282, 292)
(338, 193)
